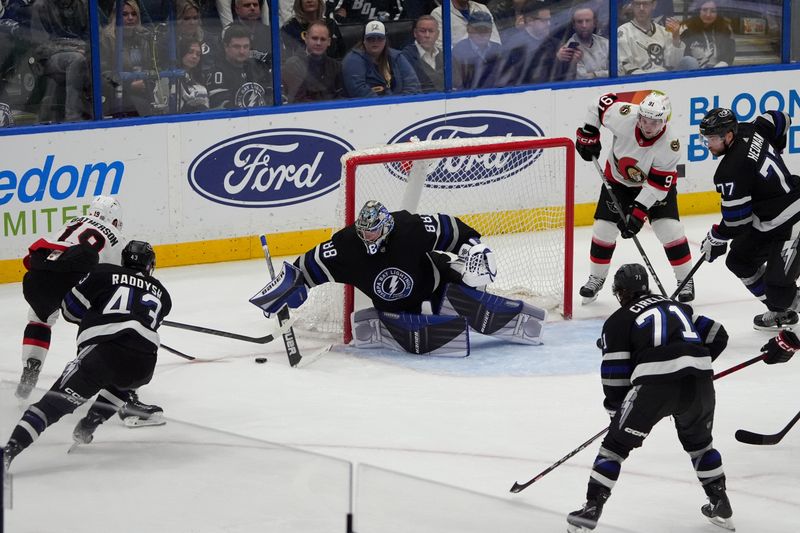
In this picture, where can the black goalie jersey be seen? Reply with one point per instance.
(407, 269)
(757, 188)
(655, 339)
(119, 304)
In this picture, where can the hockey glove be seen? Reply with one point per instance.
(587, 142)
(781, 348)
(714, 245)
(632, 224)
(476, 264)
(286, 289)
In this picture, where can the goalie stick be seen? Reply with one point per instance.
(634, 238)
(750, 437)
(289, 340)
(519, 487)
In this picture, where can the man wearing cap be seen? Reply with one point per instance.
(372, 69)
(476, 59)
(461, 11)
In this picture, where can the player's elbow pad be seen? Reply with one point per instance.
(717, 345)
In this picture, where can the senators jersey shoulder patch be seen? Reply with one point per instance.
(624, 110)
(675, 145)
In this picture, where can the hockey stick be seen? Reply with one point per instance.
(220, 333)
(749, 437)
(687, 278)
(635, 239)
(178, 352)
(518, 487)
(289, 340)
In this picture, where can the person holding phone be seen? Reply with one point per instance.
(585, 54)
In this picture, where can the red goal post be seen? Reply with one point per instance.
(518, 192)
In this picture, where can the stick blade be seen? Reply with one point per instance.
(748, 437)
(516, 488)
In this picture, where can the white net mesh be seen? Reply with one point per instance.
(512, 190)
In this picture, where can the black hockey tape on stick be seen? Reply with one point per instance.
(519, 487)
(750, 437)
(219, 333)
(635, 239)
(178, 352)
(289, 340)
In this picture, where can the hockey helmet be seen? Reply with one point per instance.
(718, 121)
(373, 225)
(139, 255)
(656, 106)
(630, 281)
(107, 209)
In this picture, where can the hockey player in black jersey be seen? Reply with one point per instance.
(401, 260)
(656, 363)
(118, 309)
(760, 210)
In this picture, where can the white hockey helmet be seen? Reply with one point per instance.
(656, 106)
(107, 209)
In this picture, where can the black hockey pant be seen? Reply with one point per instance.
(109, 366)
(768, 267)
(689, 400)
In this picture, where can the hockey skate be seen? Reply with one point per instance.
(687, 292)
(84, 430)
(775, 320)
(137, 414)
(591, 288)
(585, 519)
(718, 510)
(11, 450)
(30, 376)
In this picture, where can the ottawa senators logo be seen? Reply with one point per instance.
(624, 110)
(675, 145)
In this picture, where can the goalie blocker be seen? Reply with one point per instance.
(447, 332)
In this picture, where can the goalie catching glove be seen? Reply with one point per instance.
(476, 264)
(286, 289)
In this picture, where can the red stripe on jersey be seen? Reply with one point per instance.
(35, 342)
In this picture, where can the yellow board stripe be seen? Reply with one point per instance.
(297, 242)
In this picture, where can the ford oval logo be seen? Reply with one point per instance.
(269, 168)
(465, 125)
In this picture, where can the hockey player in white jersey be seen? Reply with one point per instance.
(56, 263)
(642, 172)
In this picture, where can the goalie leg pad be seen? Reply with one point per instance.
(437, 335)
(287, 288)
(489, 314)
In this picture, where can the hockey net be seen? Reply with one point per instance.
(516, 191)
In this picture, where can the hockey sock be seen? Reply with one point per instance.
(31, 425)
(605, 471)
(604, 236)
(707, 464)
(36, 341)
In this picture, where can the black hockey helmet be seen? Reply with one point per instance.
(630, 281)
(139, 255)
(718, 121)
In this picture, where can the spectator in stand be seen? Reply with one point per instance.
(305, 12)
(226, 11)
(236, 80)
(314, 75)
(646, 47)
(248, 14)
(476, 59)
(530, 52)
(708, 37)
(363, 11)
(585, 53)
(60, 31)
(126, 96)
(372, 69)
(189, 25)
(424, 56)
(192, 92)
(461, 11)
(507, 15)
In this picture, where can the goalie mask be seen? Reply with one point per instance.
(373, 225)
(654, 113)
(106, 209)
